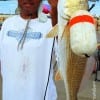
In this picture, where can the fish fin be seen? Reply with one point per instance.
(53, 32)
(58, 76)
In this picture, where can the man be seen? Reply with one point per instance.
(25, 55)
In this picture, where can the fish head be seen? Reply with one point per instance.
(83, 38)
(66, 8)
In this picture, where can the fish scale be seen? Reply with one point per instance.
(74, 66)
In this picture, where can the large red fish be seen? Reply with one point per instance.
(74, 37)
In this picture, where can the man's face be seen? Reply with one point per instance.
(29, 6)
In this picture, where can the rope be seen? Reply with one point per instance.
(22, 40)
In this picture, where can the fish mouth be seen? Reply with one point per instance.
(86, 55)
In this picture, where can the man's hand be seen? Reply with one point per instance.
(53, 3)
(54, 13)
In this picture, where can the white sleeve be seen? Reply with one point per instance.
(0, 42)
(0, 47)
(3, 29)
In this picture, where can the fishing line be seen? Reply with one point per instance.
(92, 6)
(49, 69)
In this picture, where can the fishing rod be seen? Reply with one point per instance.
(49, 70)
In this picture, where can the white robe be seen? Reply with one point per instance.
(25, 72)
